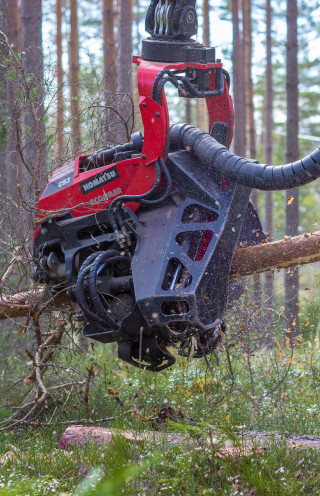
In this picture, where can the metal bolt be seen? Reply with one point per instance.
(143, 156)
(190, 16)
(157, 114)
(144, 104)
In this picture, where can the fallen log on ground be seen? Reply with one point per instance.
(244, 441)
(298, 250)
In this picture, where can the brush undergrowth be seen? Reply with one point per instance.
(243, 386)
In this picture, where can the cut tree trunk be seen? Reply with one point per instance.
(288, 252)
(247, 441)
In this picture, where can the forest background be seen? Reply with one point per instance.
(67, 86)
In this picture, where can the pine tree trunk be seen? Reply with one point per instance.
(125, 62)
(188, 111)
(109, 49)
(74, 79)
(269, 277)
(203, 117)
(250, 125)
(3, 101)
(14, 168)
(60, 116)
(292, 154)
(125, 68)
(34, 146)
(206, 23)
(238, 84)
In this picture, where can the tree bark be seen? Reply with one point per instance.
(34, 149)
(109, 49)
(125, 70)
(299, 250)
(269, 283)
(244, 441)
(14, 170)
(292, 154)
(125, 60)
(60, 116)
(206, 23)
(74, 79)
(249, 116)
(188, 111)
(4, 135)
(238, 84)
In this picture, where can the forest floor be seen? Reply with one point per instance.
(209, 407)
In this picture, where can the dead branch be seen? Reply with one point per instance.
(52, 341)
(299, 250)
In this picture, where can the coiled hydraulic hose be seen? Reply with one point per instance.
(108, 258)
(105, 323)
(244, 170)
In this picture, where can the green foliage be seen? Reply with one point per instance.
(212, 403)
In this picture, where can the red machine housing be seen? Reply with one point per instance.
(83, 192)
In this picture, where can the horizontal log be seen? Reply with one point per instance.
(298, 250)
(249, 441)
(80, 435)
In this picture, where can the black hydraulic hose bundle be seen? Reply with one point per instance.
(107, 156)
(102, 319)
(244, 170)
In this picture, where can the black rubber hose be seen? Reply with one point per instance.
(107, 258)
(94, 319)
(107, 156)
(158, 78)
(120, 200)
(166, 80)
(244, 170)
(168, 186)
(100, 323)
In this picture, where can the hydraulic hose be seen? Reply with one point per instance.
(105, 259)
(107, 156)
(244, 170)
(102, 324)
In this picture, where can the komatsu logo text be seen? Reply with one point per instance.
(100, 179)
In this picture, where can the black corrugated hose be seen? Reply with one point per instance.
(244, 170)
